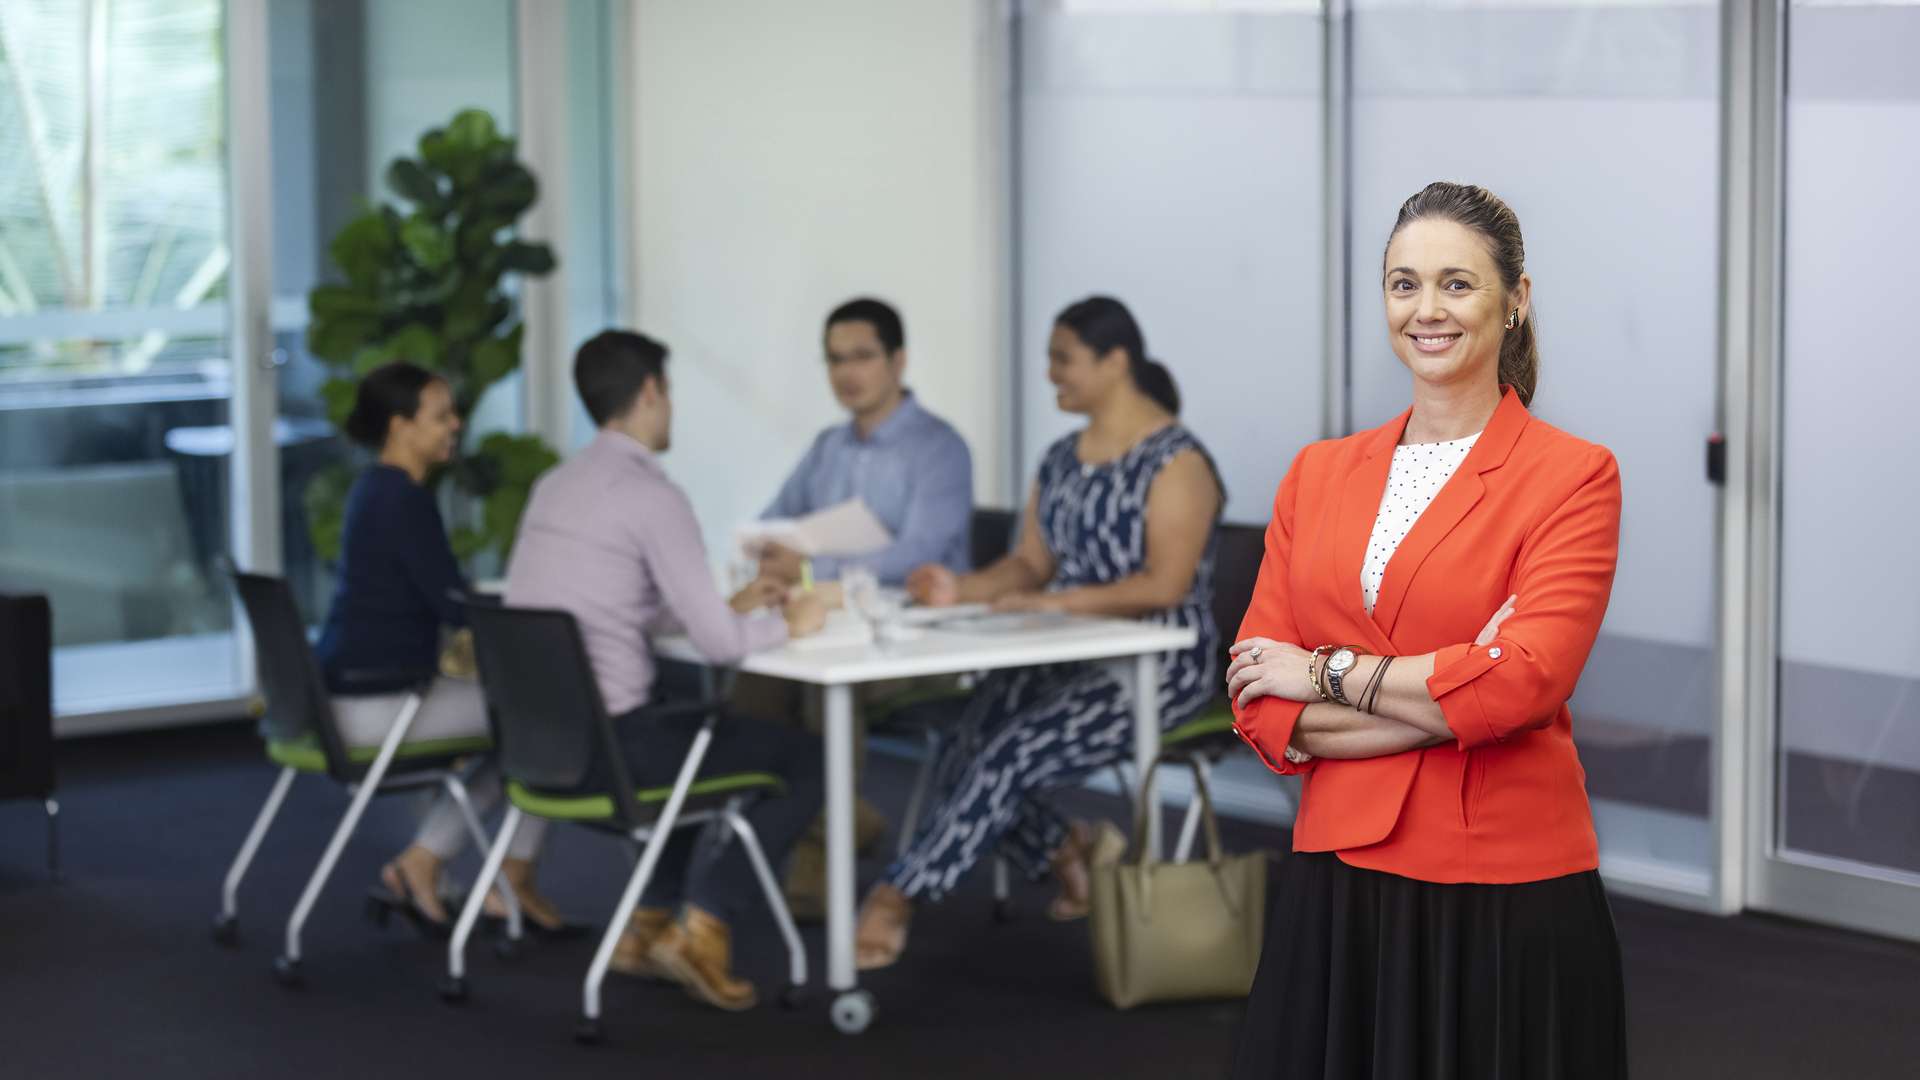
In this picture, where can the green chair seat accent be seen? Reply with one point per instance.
(600, 807)
(1217, 720)
(306, 756)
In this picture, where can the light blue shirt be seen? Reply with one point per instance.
(916, 475)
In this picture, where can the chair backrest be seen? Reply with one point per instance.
(297, 700)
(548, 717)
(26, 697)
(1236, 563)
(991, 536)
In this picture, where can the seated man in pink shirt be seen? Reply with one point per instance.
(608, 537)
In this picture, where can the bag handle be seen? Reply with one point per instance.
(1210, 824)
(1144, 861)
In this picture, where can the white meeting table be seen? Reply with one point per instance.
(1131, 649)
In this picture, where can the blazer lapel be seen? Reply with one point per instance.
(1353, 525)
(1456, 498)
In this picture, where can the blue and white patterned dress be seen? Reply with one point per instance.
(1030, 730)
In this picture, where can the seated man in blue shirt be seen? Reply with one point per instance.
(909, 466)
(915, 473)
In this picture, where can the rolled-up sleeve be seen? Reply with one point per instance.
(1267, 723)
(1563, 575)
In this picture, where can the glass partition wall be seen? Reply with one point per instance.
(174, 173)
(1232, 171)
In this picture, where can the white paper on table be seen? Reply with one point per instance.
(934, 616)
(847, 528)
(1008, 622)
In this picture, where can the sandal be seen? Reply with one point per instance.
(1070, 865)
(396, 896)
(881, 934)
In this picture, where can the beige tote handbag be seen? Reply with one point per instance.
(1166, 931)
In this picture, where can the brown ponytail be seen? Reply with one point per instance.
(1476, 208)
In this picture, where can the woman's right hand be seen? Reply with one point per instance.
(933, 585)
(806, 614)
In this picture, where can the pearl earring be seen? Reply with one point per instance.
(1513, 320)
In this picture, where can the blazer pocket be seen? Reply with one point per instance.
(1473, 782)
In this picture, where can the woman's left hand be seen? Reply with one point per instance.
(1262, 667)
(1030, 601)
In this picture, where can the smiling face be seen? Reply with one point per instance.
(1081, 377)
(432, 432)
(1447, 309)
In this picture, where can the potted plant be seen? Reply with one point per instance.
(427, 281)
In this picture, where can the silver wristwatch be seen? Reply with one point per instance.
(1338, 665)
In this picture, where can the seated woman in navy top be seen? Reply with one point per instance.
(398, 585)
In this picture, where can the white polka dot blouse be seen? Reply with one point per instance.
(1419, 471)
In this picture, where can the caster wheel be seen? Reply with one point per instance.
(853, 1011)
(588, 1032)
(286, 972)
(453, 989)
(226, 931)
(1003, 912)
(794, 998)
(507, 949)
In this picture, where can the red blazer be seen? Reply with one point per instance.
(1532, 511)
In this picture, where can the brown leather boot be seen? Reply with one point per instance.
(644, 930)
(697, 953)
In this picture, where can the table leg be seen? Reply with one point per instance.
(838, 739)
(1146, 742)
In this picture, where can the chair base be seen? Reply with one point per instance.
(286, 972)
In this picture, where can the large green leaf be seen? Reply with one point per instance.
(473, 130)
(416, 343)
(528, 258)
(339, 395)
(511, 192)
(362, 248)
(410, 180)
(329, 301)
(494, 359)
(427, 242)
(338, 340)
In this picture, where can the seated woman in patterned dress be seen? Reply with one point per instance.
(1121, 523)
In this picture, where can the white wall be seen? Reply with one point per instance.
(788, 157)
(1171, 158)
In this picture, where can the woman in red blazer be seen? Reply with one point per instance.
(1430, 592)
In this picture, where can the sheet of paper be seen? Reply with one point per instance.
(848, 528)
(935, 616)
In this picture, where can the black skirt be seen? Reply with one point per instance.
(1371, 976)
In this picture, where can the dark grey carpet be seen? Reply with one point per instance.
(112, 974)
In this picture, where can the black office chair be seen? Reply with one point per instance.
(26, 710)
(302, 738)
(1203, 741)
(551, 724)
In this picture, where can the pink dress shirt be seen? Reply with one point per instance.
(608, 537)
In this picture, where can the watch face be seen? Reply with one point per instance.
(1340, 661)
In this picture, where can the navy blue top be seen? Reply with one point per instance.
(398, 585)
